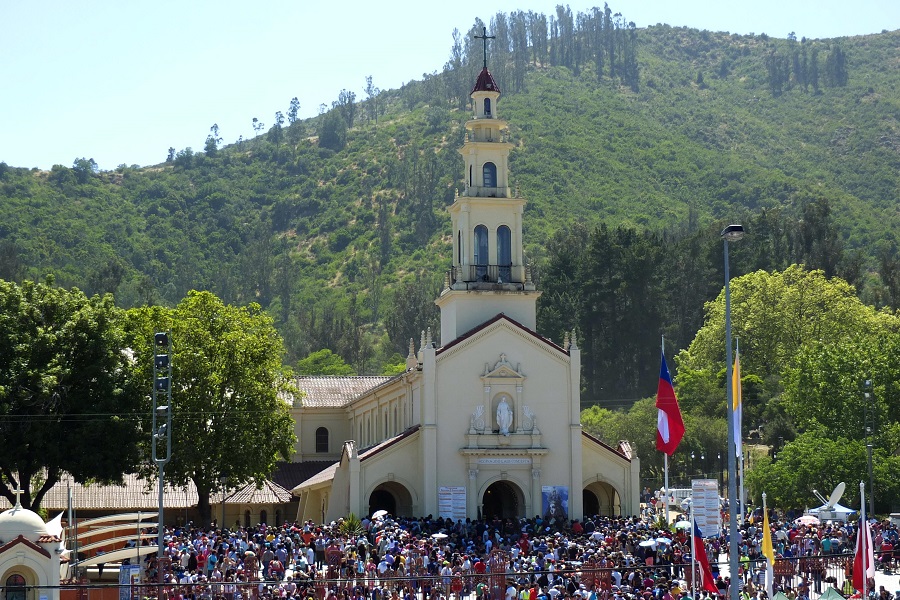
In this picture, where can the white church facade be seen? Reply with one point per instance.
(487, 421)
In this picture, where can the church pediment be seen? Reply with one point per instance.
(503, 370)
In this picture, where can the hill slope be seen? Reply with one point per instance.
(346, 246)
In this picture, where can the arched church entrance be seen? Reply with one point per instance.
(601, 498)
(392, 497)
(503, 500)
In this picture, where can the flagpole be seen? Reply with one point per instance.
(693, 557)
(767, 550)
(738, 415)
(863, 533)
(665, 456)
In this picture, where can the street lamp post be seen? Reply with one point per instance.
(732, 233)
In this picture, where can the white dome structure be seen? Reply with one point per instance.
(20, 521)
(29, 554)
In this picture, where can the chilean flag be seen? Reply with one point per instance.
(669, 424)
(864, 561)
(706, 579)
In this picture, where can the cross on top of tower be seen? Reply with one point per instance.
(484, 37)
(18, 492)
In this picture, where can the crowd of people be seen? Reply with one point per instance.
(601, 558)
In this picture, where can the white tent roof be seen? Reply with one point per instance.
(838, 511)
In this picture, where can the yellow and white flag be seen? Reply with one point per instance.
(768, 551)
(736, 396)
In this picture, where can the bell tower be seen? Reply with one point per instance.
(488, 274)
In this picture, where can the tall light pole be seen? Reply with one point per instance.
(161, 443)
(732, 233)
(870, 430)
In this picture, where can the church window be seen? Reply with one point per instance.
(322, 439)
(504, 253)
(396, 420)
(470, 176)
(263, 517)
(487, 107)
(15, 587)
(481, 251)
(490, 174)
(247, 519)
(459, 247)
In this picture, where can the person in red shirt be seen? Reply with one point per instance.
(524, 546)
(479, 567)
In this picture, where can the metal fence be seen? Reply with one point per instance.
(812, 573)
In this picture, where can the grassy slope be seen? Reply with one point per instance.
(293, 223)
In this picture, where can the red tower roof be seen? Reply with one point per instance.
(485, 82)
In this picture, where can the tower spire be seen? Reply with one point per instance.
(484, 37)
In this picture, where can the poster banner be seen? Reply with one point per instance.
(129, 575)
(555, 502)
(705, 506)
(452, 502)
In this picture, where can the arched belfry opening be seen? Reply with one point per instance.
(504, 500)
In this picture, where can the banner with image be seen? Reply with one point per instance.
(555, 502)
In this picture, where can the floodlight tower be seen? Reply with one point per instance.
(161, 443)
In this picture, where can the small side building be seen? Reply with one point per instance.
(29, 556)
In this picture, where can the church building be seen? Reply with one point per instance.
(486, 420)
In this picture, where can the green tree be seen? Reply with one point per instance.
(823, 386)
(67, 403)
(213, 140)
(816, 461)
(773, 315)
(11, 267)
(229, 415)
(333, 131)
(346, 104)
(84, 168)
(324, 362)
(293, 110)
(780, 319)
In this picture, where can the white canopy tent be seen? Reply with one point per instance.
(837, 512)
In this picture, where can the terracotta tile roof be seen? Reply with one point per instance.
(269, 493)
(335, 392)
(133, 495)
(21, 540)
(485, 82)
(328, 473)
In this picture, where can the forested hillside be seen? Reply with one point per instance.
(337, 225)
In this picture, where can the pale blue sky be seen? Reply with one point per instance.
(121, 81)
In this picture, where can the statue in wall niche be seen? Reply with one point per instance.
(504, 417)
(476, 423)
